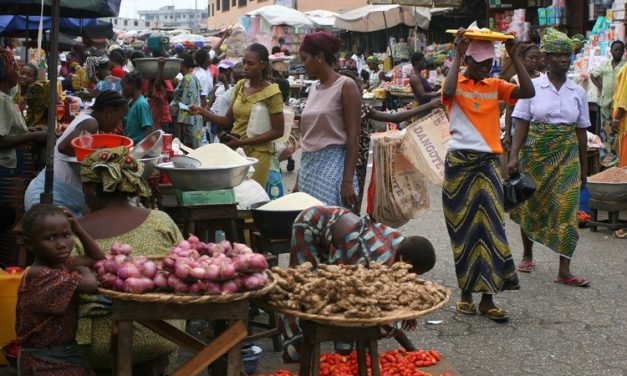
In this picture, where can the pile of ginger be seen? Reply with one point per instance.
(353, 291)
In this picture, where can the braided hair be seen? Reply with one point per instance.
(6, 64)
(109, 99)
(263, 56)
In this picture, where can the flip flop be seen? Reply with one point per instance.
(496, 314)
(526, 266)
(573, 281)
(466, 308)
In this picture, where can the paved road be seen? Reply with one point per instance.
(553, 329)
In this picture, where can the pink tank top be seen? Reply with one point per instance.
(322, 120)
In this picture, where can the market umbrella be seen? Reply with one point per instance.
(379, 17)
(420, 3)
(55, 9)
(187, 38)
(27, 26)
(322, 18)
(280, 15)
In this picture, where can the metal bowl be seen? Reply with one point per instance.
(148, 67)
(150, 146)
(273, 224)
(206, 178)
(616, 192)
(149, 166)
(183, 161)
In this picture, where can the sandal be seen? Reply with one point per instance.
(573, 281)
(621, 234)
(496, 314)
(466, 308)
(526, 266)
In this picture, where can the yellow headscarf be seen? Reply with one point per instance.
(116, 171)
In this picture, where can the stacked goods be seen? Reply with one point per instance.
(217, 155)
(222, 268)
(353, 291)
(613, 175)
(121, 271)
(294, 201)
(191, 267)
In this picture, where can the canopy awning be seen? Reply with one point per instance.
(279, 15)
(420, 3)
(322, 18)
(69, 8)
(379, 17)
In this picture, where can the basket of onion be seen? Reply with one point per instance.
(192, 272)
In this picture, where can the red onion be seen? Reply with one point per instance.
(254, 281)
(181, 271)
(212, 272)
(99, 264)
(168, 263)
(257, 262)
(111, 266)
(184, 245)
(226, 245)
(118, 284)
(120, 259)
(107, 280)
(213, 288)
(161, 281)
(193, 239)
(228, 287)
(138, 285)
(197, 288)
(173, 281)
(227, 271)
(181, 288)
(128, 270)
(197, 273)
(149, 269)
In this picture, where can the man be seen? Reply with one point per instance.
(603, 77)
(334, 235)
(359, 58)
(201, 72)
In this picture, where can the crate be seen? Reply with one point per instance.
(194, 198)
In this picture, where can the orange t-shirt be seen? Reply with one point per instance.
(474, 114)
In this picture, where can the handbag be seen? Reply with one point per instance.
(517, 189)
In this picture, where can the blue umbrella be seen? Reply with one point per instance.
(21, 25)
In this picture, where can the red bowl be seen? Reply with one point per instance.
(101, 141)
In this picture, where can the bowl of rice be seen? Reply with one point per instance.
(274, 219)
(609, 185)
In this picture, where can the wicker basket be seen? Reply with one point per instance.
(340, 320)
(166, 297)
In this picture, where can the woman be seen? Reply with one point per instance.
(619, 120)
(375, 75)
(420, 86)
(138, 119)
(32, 97)
(14, 137)
(551, 142)
(530, 55)
(329, 126)
(255, 88)
(472, 195)
(188, 127)
(107, 113)
(109, 179)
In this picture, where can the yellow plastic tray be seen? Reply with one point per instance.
(484, 35)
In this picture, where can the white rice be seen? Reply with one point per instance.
(217, 155)
(293, 201)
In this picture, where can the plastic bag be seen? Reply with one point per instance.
(517, 189)
(274, 185)
(259, 120)
(85, 140)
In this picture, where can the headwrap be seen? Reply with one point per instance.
(116, 171)
(78, 55)
(7, 62)
(372, 60)
(320, 41)
(556, 42)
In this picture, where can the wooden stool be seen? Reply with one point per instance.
(315, 333)
(613, 210)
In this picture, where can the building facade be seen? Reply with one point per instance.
(170, 17)
(223, 13)
(121, 23)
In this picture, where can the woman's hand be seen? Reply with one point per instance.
(461, 42)
(513, 165)
(233, 142)
(349, 197)
(195, 110)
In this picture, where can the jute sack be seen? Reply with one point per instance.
(400, 189)
(426, 144)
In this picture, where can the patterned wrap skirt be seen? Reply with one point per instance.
(550, 157)
(472, 197)
(321, 174)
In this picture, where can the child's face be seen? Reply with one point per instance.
(53, 240)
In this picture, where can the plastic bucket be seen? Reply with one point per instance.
(100, 141)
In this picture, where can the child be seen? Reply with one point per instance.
(138, 120)
(47, 306)
(334, 235)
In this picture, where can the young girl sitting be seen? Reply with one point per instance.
(47, 306)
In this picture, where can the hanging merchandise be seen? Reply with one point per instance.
(236, 43)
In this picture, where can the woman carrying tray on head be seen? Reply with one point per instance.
(335, 235)
(472, 194)
(109, 178)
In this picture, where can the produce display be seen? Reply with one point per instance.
(613, 175)
(293, 201)
(191, 267)
(217, 155)
(353, 291)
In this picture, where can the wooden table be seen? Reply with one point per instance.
(152, 316)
